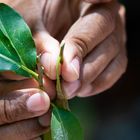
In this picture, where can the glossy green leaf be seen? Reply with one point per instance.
(17, 48)
(65, 126)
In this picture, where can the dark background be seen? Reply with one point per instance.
(115, 114)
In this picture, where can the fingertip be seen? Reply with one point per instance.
(70, 88)
(49, 87)
(71, 70)
(38, 102)
(49, 49)
(45, 119)
(48, 61)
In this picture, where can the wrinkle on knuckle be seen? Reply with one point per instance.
(6, 114)
(11, 110)
(106, 19)
(81, 45)
(109, 19)
(105, 24)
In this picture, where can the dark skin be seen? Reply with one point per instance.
(94, 58)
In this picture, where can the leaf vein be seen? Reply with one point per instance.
(10, 60)
(61, 122)
(6, 35)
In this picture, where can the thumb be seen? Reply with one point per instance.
(23, 104)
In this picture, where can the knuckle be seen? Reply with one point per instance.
(6, 114)
(11, 109)
(81, 46)
(107, 20)
(122, 10)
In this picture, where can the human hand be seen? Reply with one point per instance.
(22, 110)
(95, 53)
(96, 40)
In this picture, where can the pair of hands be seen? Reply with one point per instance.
(94, 59)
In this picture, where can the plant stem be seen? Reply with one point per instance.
(41, 72)
(61, 99)
(34, 74)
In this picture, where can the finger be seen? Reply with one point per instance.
(94, 64)
(9, 75)
(70, 88)
(107, 78)
(120, 43)
(84, 36)
(23, 130)
(48, 47)
(98, 1)
(8, 86)
(23, 104)
(99, 59)
(45, 119)
(49, 87)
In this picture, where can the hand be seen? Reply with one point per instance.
(94, 54)
(96, 46)
(92, 61)
(21, 110)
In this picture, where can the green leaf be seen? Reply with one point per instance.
(17, 47)
(65, 126)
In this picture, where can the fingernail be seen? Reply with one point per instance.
(70, 88)
(45, 119)
(75, 64)
(38, 102)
